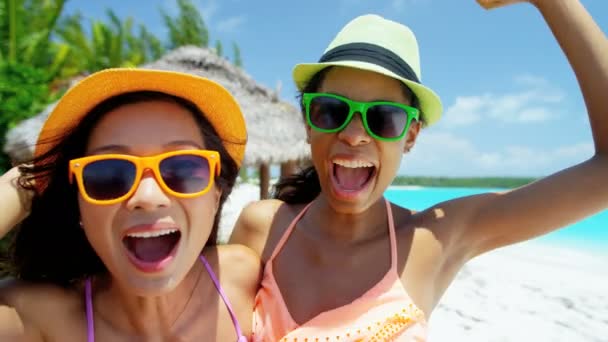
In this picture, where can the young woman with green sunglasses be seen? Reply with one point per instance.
(344, 264)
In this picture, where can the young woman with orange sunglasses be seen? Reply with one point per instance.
(126, 188)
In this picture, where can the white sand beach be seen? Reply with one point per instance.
(526, 292)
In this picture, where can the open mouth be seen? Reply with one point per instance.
(151, 250)
(352, 176)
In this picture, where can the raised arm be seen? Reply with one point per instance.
(494, 220)
(14, 201)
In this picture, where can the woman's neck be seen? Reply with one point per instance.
(323, 220)
(144, 315)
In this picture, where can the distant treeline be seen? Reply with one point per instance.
(473, 182)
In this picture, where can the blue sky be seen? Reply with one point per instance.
(512, 105)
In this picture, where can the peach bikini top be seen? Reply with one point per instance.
(383, 313)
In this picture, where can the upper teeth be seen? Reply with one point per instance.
(150, 234)
(353, 163)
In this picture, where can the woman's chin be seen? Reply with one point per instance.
(144, 269)
(154, 280)
(149, 286)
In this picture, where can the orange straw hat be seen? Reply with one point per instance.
(215, 102)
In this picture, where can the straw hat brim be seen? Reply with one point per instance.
(214, 101)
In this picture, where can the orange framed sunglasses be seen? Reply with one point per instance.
(106, 179)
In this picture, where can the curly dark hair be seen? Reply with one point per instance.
(49, 245)
(304, 186)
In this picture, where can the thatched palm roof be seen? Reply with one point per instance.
(275, 127)
(20, 140)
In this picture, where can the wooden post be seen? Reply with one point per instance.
(264, 181)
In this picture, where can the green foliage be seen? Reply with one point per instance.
(238, 61)
(150, 43)
(20, 102)
(474, 182)
(244, 174)
(40, 49)
(26, 28)
(219, 50)
(111, 44)
(188, 27)
(4, 244)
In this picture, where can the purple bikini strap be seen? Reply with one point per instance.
(89, 305)
(89, 310)
(241, 338)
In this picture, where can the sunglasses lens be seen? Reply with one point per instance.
(386, 121)
(185, 174)
(327, 112)
(108, 179)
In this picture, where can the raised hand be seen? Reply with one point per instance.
(489, 4)
(15, 201)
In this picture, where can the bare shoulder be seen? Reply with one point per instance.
(429, 253)
(27, 295)
(244, 264)
(261, 223)
(443, 220)
(451, 222)
(237, 263)
(27, 310)
(435, 234)
(419, 231)
(257, 216)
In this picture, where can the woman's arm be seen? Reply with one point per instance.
(252, 228)
(14, 201)
(14, 325)
(494, 220)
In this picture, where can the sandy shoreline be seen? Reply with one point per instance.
(526, 292)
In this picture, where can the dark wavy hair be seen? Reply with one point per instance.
(304, 186)
(49, 245)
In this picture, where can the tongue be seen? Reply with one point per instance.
(352, 178)
(152, 249)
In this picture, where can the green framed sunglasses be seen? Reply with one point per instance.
(383, 120)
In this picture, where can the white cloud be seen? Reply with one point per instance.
(230, 24)
(465, 111)
(574, 151)
(529, 79)
(439, 152)
(445, 154)
(537, 114)
(536, 102)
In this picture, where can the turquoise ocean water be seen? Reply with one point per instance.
(590, 234)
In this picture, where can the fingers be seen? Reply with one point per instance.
(490, 4)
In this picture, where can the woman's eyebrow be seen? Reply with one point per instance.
(110, 148)
(184, 142)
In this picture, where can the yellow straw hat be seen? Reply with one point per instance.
(373, 43)
(215, 102)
